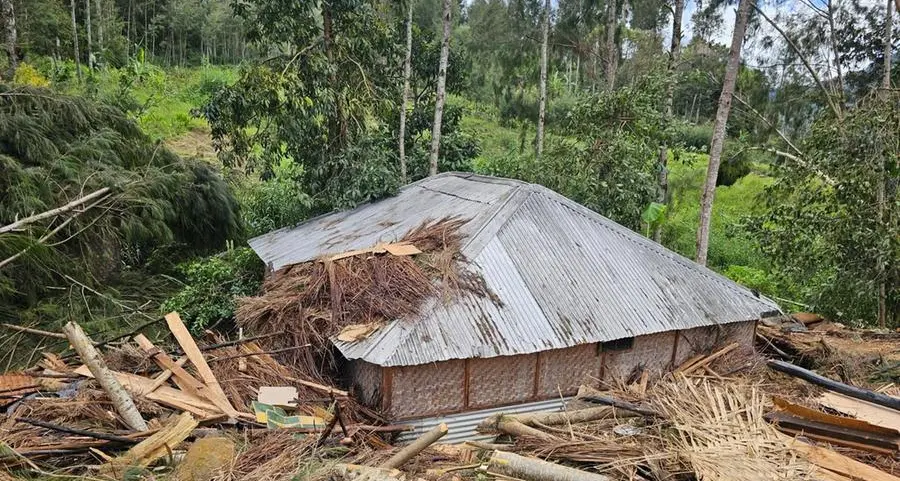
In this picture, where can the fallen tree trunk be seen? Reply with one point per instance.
(415, 447)
(533, 469)
(616, 403)
(832, 385)
(118, 396)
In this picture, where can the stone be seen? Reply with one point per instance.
(205, 459)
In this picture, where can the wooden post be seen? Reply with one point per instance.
(121, 400)
(831, 385)
(415, 447)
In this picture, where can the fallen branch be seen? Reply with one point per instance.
(53, 212)
(416, 447)
(118, 396)
(712, 357)
(832, 385)
(78, 432)
(510, 425)
(38, 332)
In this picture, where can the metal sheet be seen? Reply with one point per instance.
(461, 427)
(565, 274)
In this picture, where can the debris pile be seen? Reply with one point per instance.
(310, 302)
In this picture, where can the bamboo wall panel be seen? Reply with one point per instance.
(564, 370)
(501, 380)
(427, 389)
(652, 352)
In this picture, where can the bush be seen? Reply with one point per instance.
(278, 202)
(695, 137)
(752, 278)
(211, 286)
(28, 75)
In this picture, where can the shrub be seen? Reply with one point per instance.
(211, 286)
(28, 75)
(694, 137)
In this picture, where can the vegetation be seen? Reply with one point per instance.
(214, 121)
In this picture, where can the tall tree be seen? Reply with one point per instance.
(888, 45)
(7, 12)
(718, 138)
(407, 69)
(75, 40)
(87, 24)
(612, 49)
(99, 25)
(441, 87)
(542, 107)
(674, 53)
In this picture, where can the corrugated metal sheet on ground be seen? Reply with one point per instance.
(461, 427)
(565, 274)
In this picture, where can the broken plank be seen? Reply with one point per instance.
(866, 411)
(832, 385)
(166, 374)
(712, 357)
(843, 465)
(155, 447)
(167, 396)
(189, 346)
(183, 379)
(833, 434)
(845, 422)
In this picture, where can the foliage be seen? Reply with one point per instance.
(55, 148)
(29, 76)
(609, 162)
(824, 226)
(694, 137)
(211, 285)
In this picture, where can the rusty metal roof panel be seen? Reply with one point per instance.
(564, 274)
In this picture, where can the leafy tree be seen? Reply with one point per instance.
(826, 227)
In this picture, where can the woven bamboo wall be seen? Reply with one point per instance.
(564, 370)
(652, 352)
(427, 389)
(365, 382)
(501, 380)
(702, 340)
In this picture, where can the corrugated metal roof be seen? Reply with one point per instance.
(461, 427)
(565, 274)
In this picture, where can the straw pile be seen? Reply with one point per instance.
(714, 431)
(313, 301)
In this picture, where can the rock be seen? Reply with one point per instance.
(205, 459)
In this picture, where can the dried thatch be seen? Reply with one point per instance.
(314, 300)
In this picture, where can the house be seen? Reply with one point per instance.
(582, 298)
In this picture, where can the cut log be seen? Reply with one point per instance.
(843, 465)
(832, 385)
(556, 418)
(186, 341)
(358, 472)
(410, 451)
(532, 469)
(155, 447)
(509, 425)
(117, 394)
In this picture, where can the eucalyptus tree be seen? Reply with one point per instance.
(542, 109)
(441, 91)
(8, 17)
(717, 142)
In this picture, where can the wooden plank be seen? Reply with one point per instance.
(167, 396)
(166, 374)
(849, 423)
(155, 447)
(183, 379)
(833, 434)
(712, 357)
(843, 465)
(866, 411)
(832, 385)
(186, 341)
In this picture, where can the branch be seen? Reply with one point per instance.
(53, 212)
(769, 123)
(834, 107)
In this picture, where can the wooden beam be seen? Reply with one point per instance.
(832, 385)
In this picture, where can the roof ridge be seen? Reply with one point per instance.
(640, 240)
